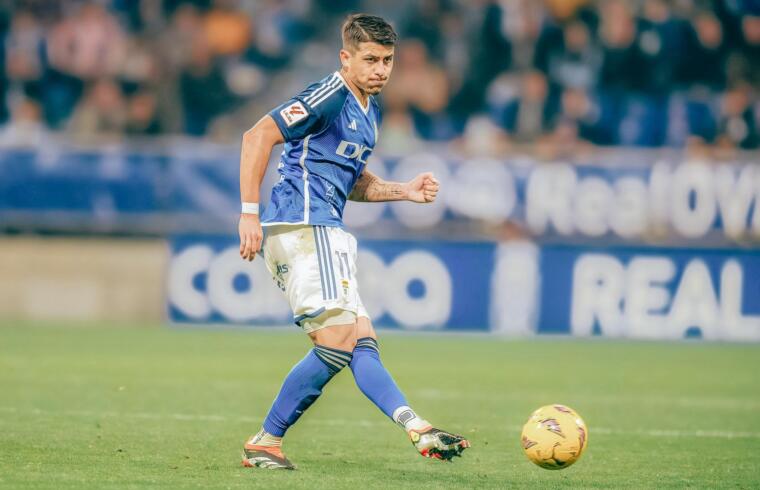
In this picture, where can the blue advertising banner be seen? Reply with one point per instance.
(630, 198)
(650, 293)
(411, 284)
(513, 288)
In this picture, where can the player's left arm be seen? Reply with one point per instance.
(371, 188)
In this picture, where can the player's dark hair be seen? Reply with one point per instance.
(363, 28)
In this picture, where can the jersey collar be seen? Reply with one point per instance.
(365, 109)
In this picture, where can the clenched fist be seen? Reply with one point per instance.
(423, 188)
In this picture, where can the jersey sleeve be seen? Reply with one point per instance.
(311, 111)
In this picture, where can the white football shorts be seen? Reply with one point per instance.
(315, 266)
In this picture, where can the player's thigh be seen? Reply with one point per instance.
(342, 337)
(291, 257)
(364, 328)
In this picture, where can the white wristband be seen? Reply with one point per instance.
(250, 208)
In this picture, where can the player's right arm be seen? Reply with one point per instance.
(254, 157)
(371, 188)
(309, 112)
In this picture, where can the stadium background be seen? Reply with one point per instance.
(600, 178)
(600, 159)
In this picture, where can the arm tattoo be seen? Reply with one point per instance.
(371, 188)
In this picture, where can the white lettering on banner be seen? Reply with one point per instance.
(485, 190)
(687, 198)
(629, 218)
(370, 271)
(515, 282)
(695, 303)
(635, 301)
(598, 287)
(693, 182)
(433, 307)
(389, 291)
(735, 197)
(549, 198)
(738, 326)
(593, 199)
(262, 299)
(182, 270)
(384, 288)
(659, 199)
(646, 292)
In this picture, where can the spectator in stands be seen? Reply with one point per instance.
(23, 55)
(88, 43)
(490, 55)
(141, 64)
(227, 29)
(26, 128)
(203, 89)
(621, 59)
(737, 121)
(649, 73)
(705, 44)
(526, 114)
(750, 48)
(101, 115)
(421, 87)
(142, 118)
(423, 24)
(576, 63)
(276, 32)
(586, 117)
(661, 41)
(398, 135)
(174, 51)
(177, 41)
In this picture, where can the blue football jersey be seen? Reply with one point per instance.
(329, 136)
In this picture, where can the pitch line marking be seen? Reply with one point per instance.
(688, 401)
(673, 433)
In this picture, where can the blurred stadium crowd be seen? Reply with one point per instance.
(481, 74)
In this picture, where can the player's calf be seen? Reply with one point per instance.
(301, 388)
(377, 384)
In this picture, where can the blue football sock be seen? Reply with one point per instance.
(302, 387)
(373, 379)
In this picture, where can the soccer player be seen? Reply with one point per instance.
(329, 131)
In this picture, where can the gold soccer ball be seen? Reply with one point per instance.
(554, 437)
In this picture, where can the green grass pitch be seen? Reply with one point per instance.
(85, 407)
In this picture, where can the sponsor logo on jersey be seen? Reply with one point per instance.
(293, 113)
(352, 126)
(353, 151)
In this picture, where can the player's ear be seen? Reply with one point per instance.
(345, 56)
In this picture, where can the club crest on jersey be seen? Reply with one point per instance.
(293, 113)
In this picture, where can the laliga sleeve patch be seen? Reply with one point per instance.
(293, 113)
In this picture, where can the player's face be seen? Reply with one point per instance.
(369, 66)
